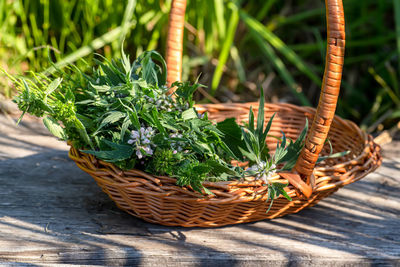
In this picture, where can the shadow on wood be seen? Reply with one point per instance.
(52, 212)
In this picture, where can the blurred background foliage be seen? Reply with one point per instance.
(235, 46)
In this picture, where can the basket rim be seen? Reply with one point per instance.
(370, 151)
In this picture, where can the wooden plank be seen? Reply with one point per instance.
(53, 213)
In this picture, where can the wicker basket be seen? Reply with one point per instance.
(158, 199)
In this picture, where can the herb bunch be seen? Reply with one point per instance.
(121, 113)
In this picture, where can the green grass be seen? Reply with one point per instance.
(236, 46)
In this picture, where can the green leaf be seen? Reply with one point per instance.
(53, 86)
(86, 121)
(149, 71)
(280, 151)
(267, 128)
(82, 132)
(250, 156)
(162, 76)
(132, 113)
(69, 96)
(260, 119)
(156, 119)
(251, 120)
(232, 136)
(54, 127)
(218, 168)
(112, 117)
(336, 155)
(248, 142)
(124, 128)
(207, 191)
(170, 124)
(186, 90)
(118, 152)
(100, 88)
(189, 114)
(280, 190)
(294, 149)
(271, 197)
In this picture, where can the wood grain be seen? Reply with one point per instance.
(53, 213)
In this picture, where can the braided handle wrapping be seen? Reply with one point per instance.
(174, 41)
(330, 85)
(329, 90)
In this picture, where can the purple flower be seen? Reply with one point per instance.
(141, 139)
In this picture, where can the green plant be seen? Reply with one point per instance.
(120, 113)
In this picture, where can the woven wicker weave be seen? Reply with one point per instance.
(158, 199)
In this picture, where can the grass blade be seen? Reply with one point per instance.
(127, 20)
(223, 56)
(279, 45)
(86, 50)
(219, 14)
(269, 52)
(238, 64)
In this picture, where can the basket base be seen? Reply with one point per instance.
(223, 215)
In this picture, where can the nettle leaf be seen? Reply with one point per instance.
(218, 168)
(189, 114)
(132, 114)
(118, 152)
(232, 136)
(170, 124)
(248, 155)
(229, 151)
(185, 91)
(202, 169)
(113, 75)
(157, 122)
(149, 72)
(86, 121)
(112, 117)
(54, 128)
(82, 132)
(124, 128)
(202, 124)
(162, 73)
(100, 88)
(201, 148)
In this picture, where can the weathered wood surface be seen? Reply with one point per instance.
(53, 213)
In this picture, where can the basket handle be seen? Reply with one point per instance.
(175, 41)
(330, 84)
